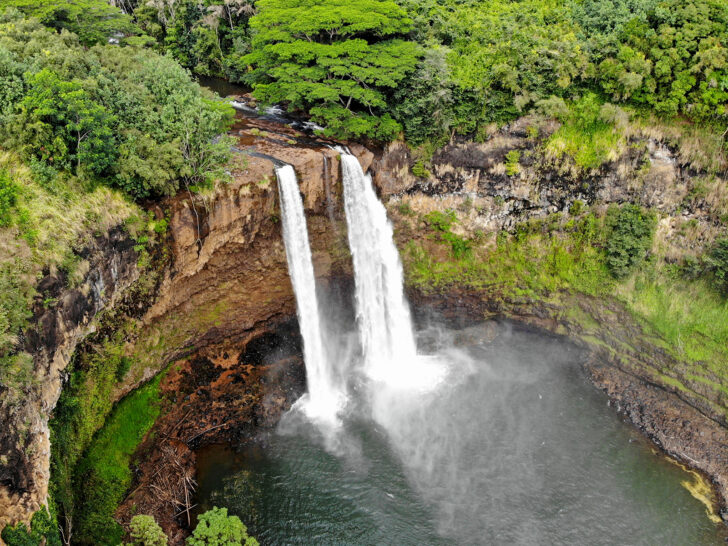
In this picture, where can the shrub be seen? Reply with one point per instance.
(43, 530)
(8, 197)
(630, 230)
(216, 528)
(513, 159)
(146, 532)
(461, 248)
(718, 263)
(405, 209)
(576, 208)
(440, 221)
(420, 171)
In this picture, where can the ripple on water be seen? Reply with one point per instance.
(516, 447)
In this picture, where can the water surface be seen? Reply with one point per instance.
(516, 448)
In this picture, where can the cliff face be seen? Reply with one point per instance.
(227, 288)
(57, 329)
(225, 284)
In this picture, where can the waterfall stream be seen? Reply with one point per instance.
(390, 361)
(383, 317)
(324, 399)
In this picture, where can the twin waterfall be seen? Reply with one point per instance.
(383, 318)
(323, 400)
(389, 354)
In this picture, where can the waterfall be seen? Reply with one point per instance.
(383, 317)
(323, 400)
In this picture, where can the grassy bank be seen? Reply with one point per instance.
(45, 216)
(571, 254)
(103, 476)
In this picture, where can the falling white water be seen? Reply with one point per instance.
(383, 317)
(324, 398)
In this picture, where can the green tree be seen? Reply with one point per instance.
(216, 528)
(675, 60)
(425, 103)
(148, 168)
(335, 60)
(11, 82)
(59, 122)
(629, 238)
(144, 531)
(94, 21)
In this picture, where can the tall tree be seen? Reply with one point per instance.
(61, 123)
(336, 60)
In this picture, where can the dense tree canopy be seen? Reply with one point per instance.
(355, 68)
(336, 60)
(127, 115)
(93, 21)
(674, 60)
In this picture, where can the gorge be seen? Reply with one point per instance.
(240, 270)
(388, 272)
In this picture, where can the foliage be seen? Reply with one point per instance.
(103, 475)
(541, 56)
(126, 116)
(513, 159)
(589, 134)
(336, 61)
(210, 38)
(442, 222)
(718, 262)
(420, 170)
(94, 21)
(675, 60)
(481, 61)
(8, 197)
(44, 224)
(145, 531)
(216, 528)
(43, 531)
(60, 123)
(630, 230)
(425, 104)
(545, 259)
(84, 405)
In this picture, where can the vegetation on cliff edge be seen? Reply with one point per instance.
(588, 254)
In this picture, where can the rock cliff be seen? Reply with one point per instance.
(225, 290)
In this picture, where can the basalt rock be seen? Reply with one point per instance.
(62, 317)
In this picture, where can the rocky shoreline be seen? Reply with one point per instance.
(674, 425)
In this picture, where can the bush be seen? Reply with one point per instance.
(440, 221)
(8, 197)
(216, 528)
(513, 159)
(718, 263)
(43, 530)
(629, 238)
(146, 532)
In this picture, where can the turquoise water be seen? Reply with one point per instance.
(516, 448)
